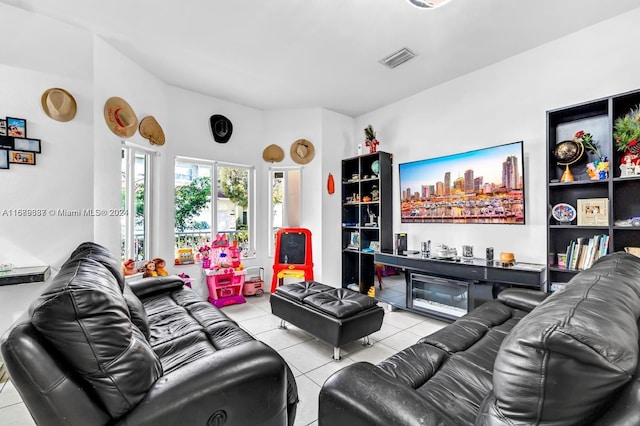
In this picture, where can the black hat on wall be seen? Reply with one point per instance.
(221, 128)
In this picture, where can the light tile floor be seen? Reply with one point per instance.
(309, 358)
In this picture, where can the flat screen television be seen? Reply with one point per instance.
(481, 186)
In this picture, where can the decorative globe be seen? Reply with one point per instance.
(568, 152)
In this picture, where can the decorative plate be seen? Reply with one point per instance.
(563, 212)
(375, 167)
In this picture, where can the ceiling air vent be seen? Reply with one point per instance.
(397, 58)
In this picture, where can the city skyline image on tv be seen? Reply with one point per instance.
(480, 186)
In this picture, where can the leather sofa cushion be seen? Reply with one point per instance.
(136, 310)
(100, 254)
(340, 302)
(565, 360)
(184, 328)
(83, 314)
(298, 291)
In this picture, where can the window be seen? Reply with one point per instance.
(214, 198)
(136, 177)
(284, 201)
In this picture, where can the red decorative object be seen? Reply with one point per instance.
(331, 185)
(372, 144)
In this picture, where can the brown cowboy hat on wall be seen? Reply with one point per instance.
(302, 151)
(150, 129)
(221, 128)
(120, 117)
(58, 104)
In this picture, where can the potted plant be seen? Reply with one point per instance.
(371, 140)
(626, 131)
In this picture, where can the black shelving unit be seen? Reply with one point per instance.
(364, 216)
(623, 193)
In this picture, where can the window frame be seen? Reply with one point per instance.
(130, 152)
(215, 165)
(286, 221)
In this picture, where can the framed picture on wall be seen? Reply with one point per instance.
(4, 159)
(22, 157)
(30, 145)
(16, 127)
(3, 127)
(6, 142)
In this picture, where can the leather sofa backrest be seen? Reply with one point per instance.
(83, 314)
(565, 362)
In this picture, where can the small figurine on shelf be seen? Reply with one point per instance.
(371, 140)
(204, 255)
(375, 193)
(160, 267)
(149, 270)
(129, 267)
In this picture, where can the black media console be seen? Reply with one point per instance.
(448, 289)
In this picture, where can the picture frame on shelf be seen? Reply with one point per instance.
(3, 127)
(4, 159)
(593, 212)
(375, 246)
(16, 127)
(29, 145)
(22, 157)
(354, 240)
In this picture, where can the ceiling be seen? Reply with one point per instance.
(273, 54)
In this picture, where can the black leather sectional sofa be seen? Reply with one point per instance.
(523, 359)
(94, 350)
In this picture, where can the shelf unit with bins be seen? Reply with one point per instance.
(595, 117)
(359, 180)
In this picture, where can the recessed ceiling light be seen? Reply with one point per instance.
(428, 4)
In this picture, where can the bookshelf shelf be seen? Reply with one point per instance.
(620, 195)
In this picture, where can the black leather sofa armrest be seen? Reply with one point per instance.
(219, 389)
(522, 298)
(146, 286)
(361, 394)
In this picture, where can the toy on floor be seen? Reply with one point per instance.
(160, 267)
(225, 277)
(293, 257)
(254, 284)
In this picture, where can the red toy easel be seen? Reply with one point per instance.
(293, 255)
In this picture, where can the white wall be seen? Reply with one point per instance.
(503, 103)
(338, 141)
(62, 177)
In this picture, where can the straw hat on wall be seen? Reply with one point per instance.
(302, 151)
(120, 117)
(273, 154)
(58, 104)
(150, 129)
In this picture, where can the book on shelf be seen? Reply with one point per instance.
(583, 251)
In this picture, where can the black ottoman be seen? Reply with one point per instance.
(335, 315)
